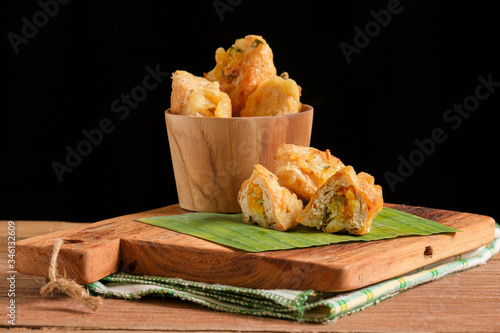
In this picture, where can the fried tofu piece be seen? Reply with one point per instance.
(196, 96)
(305, 169)
(345, 202)
(273, 97)
(265, 202)
(241, 68)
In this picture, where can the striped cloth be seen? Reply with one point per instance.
(302, 306)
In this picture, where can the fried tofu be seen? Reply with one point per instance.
(273, 97)
(305, 169)
(241, 68)
(196, 96)
(265, 202)
(346, 202)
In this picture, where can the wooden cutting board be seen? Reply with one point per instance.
(122, 244)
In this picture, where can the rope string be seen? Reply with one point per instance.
(67, 286)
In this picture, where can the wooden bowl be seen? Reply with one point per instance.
(212, 157)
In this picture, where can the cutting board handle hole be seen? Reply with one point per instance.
(72, 241)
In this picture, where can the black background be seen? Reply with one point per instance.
(368, 112)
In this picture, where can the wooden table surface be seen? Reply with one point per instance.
(466, 302)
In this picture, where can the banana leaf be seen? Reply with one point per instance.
(230, 230)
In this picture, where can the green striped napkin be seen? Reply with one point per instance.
(302, 306)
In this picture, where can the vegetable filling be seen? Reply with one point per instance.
(340, 210)
(255, 199)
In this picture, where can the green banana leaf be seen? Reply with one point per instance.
(230, 230)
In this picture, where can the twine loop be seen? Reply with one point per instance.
(68, 286)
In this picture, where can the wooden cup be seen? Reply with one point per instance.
(212, 157)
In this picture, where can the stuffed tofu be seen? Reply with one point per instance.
(305, 169)
(241, 68)
(346, 202)
(265, 202)
(273, 97)
(198, 97)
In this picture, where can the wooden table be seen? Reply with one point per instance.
(466, 302)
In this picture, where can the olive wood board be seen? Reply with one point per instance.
(94, 251)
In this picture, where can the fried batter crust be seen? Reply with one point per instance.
(305, 169)
(273, 97)
(241, 68)
(196, 96)
(367, 198)
(280, 205)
